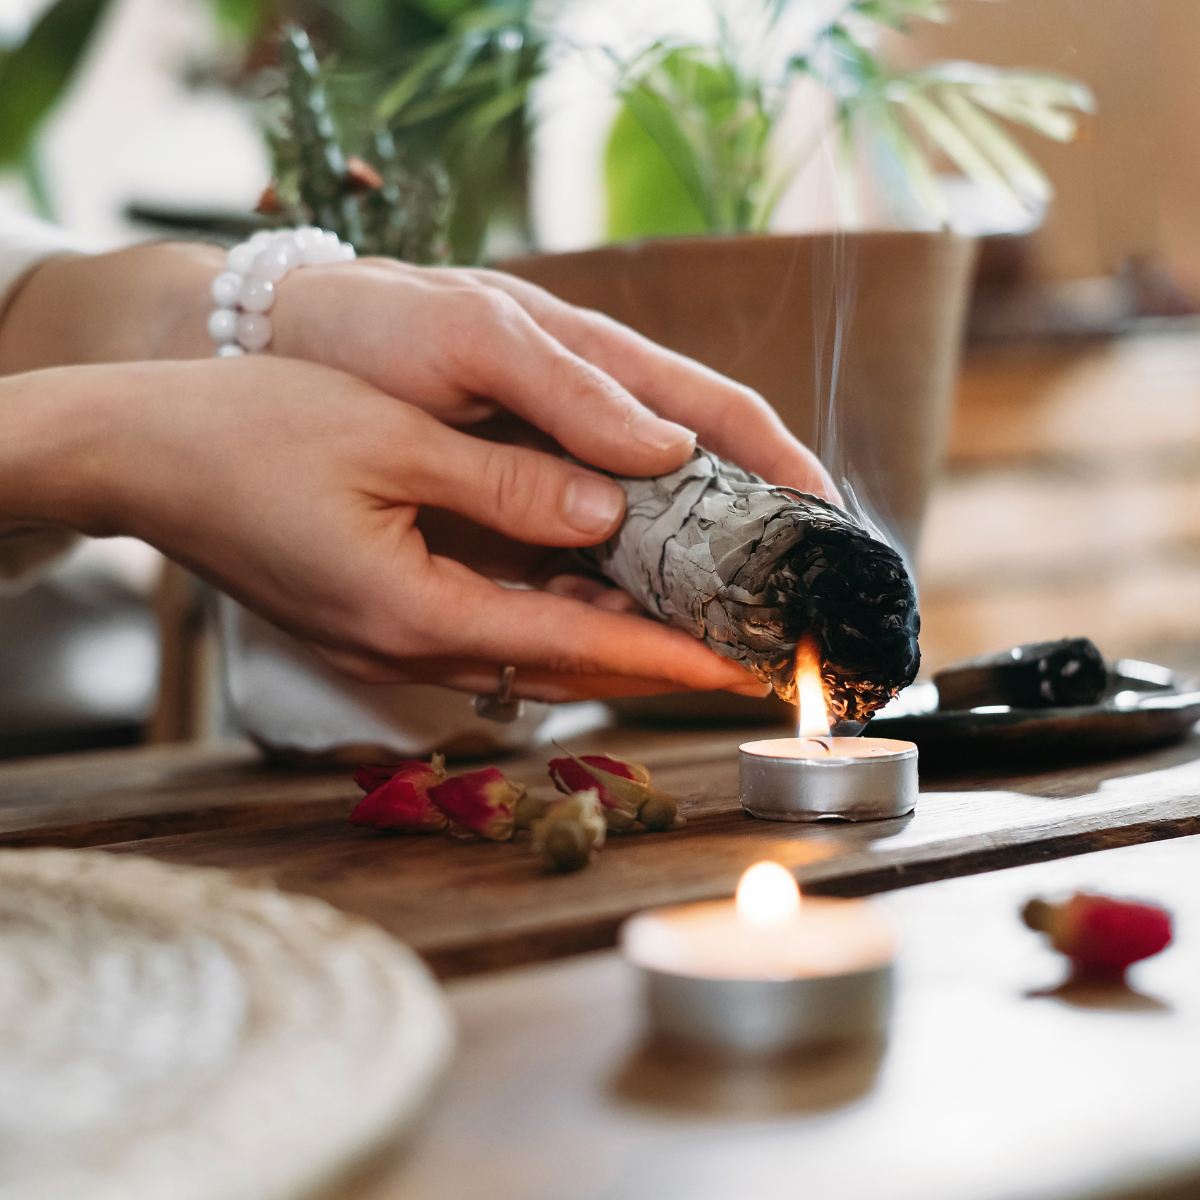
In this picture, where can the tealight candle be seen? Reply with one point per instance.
(764, 973)
(814, 775)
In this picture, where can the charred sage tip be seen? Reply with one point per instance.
(750, 569)
(571, 829)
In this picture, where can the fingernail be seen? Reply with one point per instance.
(757, 690)
(593, 505)
(653, 431)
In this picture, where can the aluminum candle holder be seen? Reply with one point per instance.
(769, 1016)
(805, 779)
(712, 979)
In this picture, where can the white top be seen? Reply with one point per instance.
(24, 242)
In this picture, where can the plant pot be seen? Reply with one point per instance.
(778, 312)
(876, 319)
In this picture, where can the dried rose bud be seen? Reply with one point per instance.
(571, 829)
(481, 801)
(624, 789)
(659, 811)
(398, 796)
(1103, 937)
(531, 806)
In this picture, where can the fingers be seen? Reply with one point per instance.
(528, 495)
(562, 648)
(496, 349)
(729, 419)
(592, 591)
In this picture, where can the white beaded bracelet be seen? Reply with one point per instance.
(245, 292)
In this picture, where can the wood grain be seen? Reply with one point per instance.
(469, 906)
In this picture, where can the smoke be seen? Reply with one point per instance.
(834, 297)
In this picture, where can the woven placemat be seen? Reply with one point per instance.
(169, 1033)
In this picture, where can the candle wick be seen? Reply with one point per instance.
(826, 745)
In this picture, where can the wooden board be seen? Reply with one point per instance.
(471, 906)
(987, 1088)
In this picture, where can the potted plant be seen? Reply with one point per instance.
(853, 336)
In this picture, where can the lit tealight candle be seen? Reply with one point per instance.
(764, 973)
(815, 775)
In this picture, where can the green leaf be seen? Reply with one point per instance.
(475, 124)
(1049, 122)
(898, 13)
(509, 44)
(490, 17)
(645, 196)
(425, 110)
(405, 89)
(659, 121)
(883, 121)
(240, 19)
(35, 75)
(443, 11)
(1020, 170)
(464, 55)
(958, 146)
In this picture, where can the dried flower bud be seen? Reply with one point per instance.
(531, 806)
(398, 796)
(571, 829)
(1103, 937)
(659, 811)
(481, 801)
(565, 846)
(624, 789)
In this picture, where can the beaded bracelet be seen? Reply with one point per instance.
(245, 292)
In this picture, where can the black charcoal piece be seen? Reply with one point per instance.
(751, 569)
(1063, 674)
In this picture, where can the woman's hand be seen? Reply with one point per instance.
(456, 343)
(295, 489)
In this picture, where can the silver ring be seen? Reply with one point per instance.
(499, 705)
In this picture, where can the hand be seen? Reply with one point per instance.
(457, 343)
(295, 489)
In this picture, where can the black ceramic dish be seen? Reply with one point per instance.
(1144, 705)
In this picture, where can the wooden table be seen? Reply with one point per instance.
(987, 1088)
(470, 906)
(983, 1092)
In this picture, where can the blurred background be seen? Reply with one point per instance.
(1057, 491)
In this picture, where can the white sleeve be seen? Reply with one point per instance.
(25, 242)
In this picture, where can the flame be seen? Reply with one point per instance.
(810, 692)
(767, 895)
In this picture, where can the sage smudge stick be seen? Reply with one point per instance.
(752, 569)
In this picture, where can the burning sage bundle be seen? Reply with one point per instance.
(751, 569)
